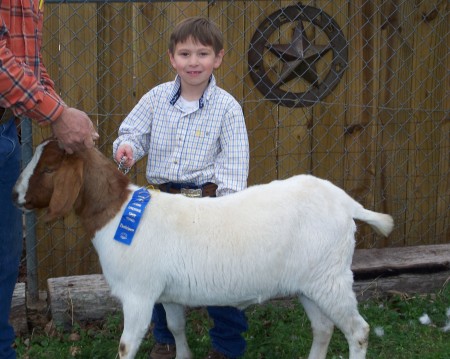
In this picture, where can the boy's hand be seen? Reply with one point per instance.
(125, 152)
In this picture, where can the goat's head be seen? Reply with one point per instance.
(52, 179)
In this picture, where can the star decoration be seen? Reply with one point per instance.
(299, 57)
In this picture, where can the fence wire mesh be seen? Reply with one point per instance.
(356, 92)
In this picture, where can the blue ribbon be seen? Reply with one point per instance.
(132, 216)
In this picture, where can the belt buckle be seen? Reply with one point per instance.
(190, 192)
(153, 187)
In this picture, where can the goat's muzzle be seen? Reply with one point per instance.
(18, 202)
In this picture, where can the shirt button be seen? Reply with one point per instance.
(176, 162)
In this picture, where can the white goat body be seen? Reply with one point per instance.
(290, 237)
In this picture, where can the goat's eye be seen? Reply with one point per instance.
(48, 170)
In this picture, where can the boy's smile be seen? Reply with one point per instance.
(194, 63)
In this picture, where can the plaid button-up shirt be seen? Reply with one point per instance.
(25, 86)
(208, 143)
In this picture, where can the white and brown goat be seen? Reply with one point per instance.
(291, 237)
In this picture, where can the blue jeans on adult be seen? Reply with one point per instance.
(226, 335)
(10, 232)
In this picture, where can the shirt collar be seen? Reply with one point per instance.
(176, 91)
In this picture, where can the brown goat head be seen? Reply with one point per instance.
(55, 181)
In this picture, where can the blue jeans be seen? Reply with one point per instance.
(226, 335)
(10, 232)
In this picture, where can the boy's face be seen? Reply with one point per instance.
(194, 63)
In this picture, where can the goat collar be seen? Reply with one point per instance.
(132, 216)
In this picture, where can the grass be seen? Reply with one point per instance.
(278, 330)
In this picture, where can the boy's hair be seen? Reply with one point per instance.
(201, 30)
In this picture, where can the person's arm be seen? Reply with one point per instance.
(134, 133)
(232, 163)
(23, 93)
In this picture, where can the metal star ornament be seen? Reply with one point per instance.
(299, 57)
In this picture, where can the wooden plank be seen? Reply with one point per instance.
(443, 187)
(229, 17)
(423, 152)
(386, 94)
(294, 123)
(77, 40)
(78, 80)
(329, 115)
(261, 115)
(381, 55)
(115, 79)
(51, 251)
(401, 259)
(438, 19)
(360, 129)
(151, 64)
(150, 39)
(395, 114)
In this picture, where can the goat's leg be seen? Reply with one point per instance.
(137, 313)
(338, 302)
(176, 322)
(322, 328)
(356, 331)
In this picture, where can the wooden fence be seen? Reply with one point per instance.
(382, 133)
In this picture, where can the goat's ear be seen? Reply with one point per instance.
(67, 183)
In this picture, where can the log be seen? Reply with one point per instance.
(378, 272)
(418, 269)
(80, 298)
(18, 315)
(372, 263)
(403, 284)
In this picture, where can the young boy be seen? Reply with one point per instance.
(196, 140)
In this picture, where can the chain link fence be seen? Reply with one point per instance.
(356, 92)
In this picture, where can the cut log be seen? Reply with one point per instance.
(18, 315)
(403, 284)
(80, 298)
(418, 269)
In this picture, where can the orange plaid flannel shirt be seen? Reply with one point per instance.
(25, 86)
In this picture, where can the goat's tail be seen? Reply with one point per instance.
(382, 223)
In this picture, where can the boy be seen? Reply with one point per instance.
(195, 136)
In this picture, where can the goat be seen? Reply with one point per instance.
(289, 237)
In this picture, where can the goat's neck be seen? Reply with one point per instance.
(104, 191)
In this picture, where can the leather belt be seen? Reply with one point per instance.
(206, 190)
(5, 115)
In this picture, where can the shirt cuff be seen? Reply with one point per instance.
(47, 110)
